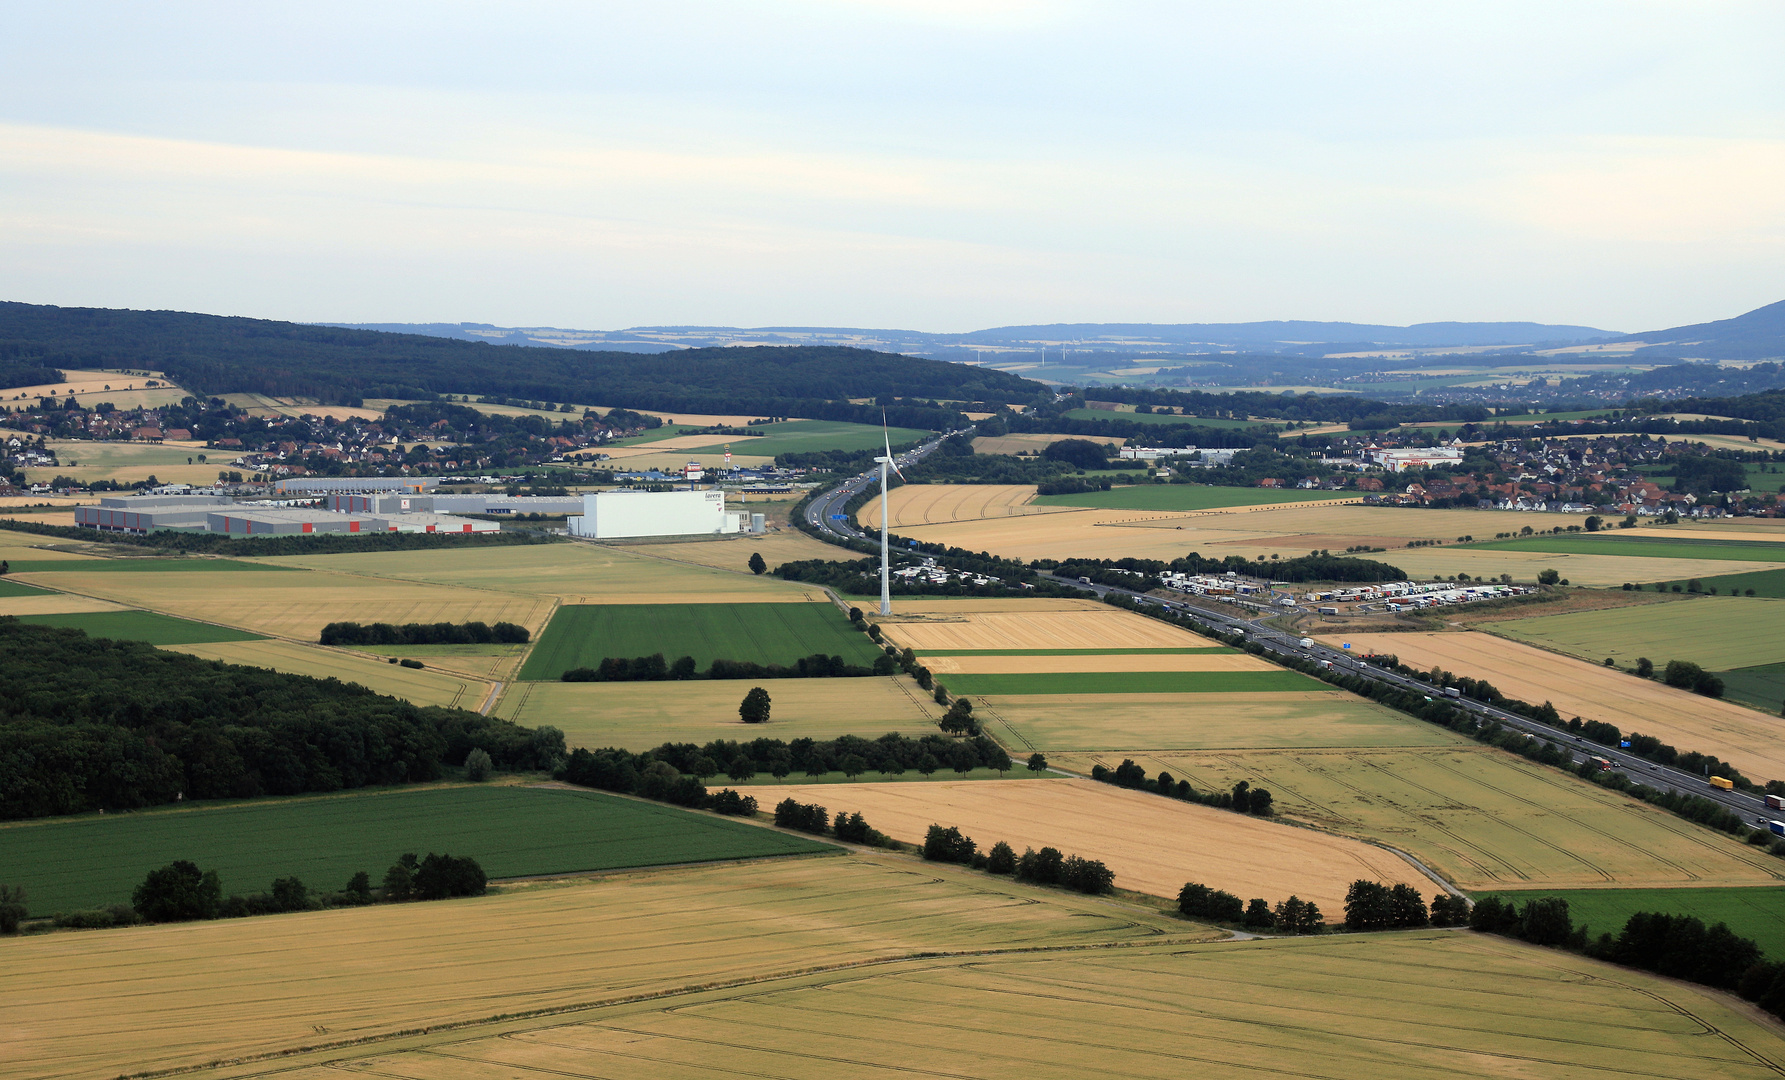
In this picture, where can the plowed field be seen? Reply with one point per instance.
(1747, 739)
(1153, 844)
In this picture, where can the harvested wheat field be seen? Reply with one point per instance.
(1483, 818)
(930, 504)
(1598, 571)
(1039, 625)
(52, 604)
(19, 547)
(1065, 723)
(1421, 1004)
(1747, 739)
(579, 573)
(785, 546)
(163, 997)
(639, 716)
(299, 605)
(424, 687)
(1153, 844)
(1033, 444)
(1005, 664)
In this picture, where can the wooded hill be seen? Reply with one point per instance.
(210, 354)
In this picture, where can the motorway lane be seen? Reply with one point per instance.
(1748, 807)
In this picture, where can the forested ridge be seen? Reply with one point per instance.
(210, 354)
(89, 723)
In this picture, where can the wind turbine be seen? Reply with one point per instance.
(885, 497)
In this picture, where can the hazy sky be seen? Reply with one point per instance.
(933, 164)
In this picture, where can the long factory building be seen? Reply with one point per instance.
(219, 514)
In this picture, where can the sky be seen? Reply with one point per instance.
(940, 165)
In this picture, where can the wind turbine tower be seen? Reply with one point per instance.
(886, 463)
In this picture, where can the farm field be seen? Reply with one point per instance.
(1338, 1008)
(126, 391)
(1768, 583)
(1208, 650)
(642, 715)
(146, 626)
(1153, 844)
(582, 635)
(1132, 682)
(40, 602)
(1716, 632)
(579, 573)
(18, 546)
(1598, 571)
(101, 1004)
(1638, 544)
(479, 661)
(1167, 418)
(1122, 722)
(1040, 661)
(804, 436)
(1744, 738)
(266, 405)
(929, 504)
(1184, 497)
(1761, 686)
(1757, 913)
(10, 589)
(1480, 817)
(279, 603)
(1021, 624)
(428, 686)
(127, 462)
(1032, 444)
(140, 565)
(71, 863)
(787, 545)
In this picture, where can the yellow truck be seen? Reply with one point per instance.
(1720, 782)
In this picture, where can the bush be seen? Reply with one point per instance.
(727, 801)
(1001, 859)
(477, 765)
(12, 908)
(442, 876)
(806, 817)
(1087, 876)
(948, 845)
(1042, 867)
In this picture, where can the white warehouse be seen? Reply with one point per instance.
(617, 515)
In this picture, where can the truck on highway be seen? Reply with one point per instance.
(1722, 784)
(1306, 643)
(1775, 802)
(1603, 763)
(1777, 828)
(1452, 692)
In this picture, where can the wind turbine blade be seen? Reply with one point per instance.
(887, 439)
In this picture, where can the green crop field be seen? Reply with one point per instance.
(1757, 913)
(582, 635)
(1642, 547)
(15, 588)
(1079, 652)
(1761, 686)
(70, 863)
(1769, 583)
(1128, 682)
(156, 629)
(800, 436)
(1716, 632)
(1120, 724)
(1157, 418)
(1186, 497)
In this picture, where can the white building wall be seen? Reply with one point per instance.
(612, 515)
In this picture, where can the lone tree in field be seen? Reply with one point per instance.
(1037, 762)
(178, 892)
(12, 908)
(757, 566)
(477, 765)
(755, 706)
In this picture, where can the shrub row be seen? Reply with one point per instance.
(814, 819)
(642, 774)
(1045, 867)
(655, 668)
(892, 754)
(1244, 798)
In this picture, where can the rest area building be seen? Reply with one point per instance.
(617, 515)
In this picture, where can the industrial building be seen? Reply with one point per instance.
(218, 514)
(494, 503)
(313, 485)
(617, 515)
(1400, 460)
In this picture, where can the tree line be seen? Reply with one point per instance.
(441, 633)
(1045, 867)
(813, 818)
(891, 754)
(1242, 799)
(92, 723)
(655, 668)
(1319, 567)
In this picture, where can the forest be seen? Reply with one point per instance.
(89, 723)
(210, 354)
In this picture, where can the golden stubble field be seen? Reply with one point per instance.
(53, 604)
(102, 1003)
(1479, 816)
(428, 686)
(297, 605)
(1422, 1004)
(995, 664)
(1153, 844)
(1030, 624)
(1033, 444)
(576, 573)
(931, 504)
(640, 716)
(1747, 739)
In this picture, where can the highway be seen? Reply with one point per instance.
(820, 511)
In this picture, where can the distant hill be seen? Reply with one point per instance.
(1305, 338)
(211, 354)
(1757, 335)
